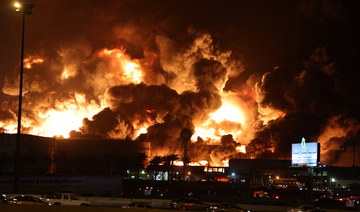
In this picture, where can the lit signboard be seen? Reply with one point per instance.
(305, 154)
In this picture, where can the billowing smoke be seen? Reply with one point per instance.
(160, 107)
(168, 87)
(313, 106)
(139, 70)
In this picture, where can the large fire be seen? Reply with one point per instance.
(67, 115)
(110, 92)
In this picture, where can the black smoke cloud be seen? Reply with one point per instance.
(209, 73)
(319, 97)
(312, 101)
(159, 106)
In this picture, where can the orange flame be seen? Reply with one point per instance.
(65, 117)
(241, 148)
(127, 69)
(228, 119)
(60, 120)
(68, 72)
(29, 61)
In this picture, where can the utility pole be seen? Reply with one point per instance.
(353, 148)
(25, 9)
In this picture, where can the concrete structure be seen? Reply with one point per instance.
(83, 185)
(86, 155)
(259, 171)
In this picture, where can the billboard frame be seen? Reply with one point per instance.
(307, 152)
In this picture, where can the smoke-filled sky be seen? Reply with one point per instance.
(291, 67)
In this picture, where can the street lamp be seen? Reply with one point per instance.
(25, 9)
(17, 5)
(332, 184)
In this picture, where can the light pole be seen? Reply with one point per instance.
(25, 9)
(185, 135)
(332, 184)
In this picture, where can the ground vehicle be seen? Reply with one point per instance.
(29, 200)
(3, 198)
(65, 199)
(139, 205)
(227, 207)
(329, 203)
(189, 204)
(302, 208)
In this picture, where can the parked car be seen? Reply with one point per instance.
(138, 205)
(226, 207)
(302, 208)
(316, 210)
(3, 199)
(189, 204)
(29, 200)
(329, 203)
(66, 199)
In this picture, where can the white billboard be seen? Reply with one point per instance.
(305, 154)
